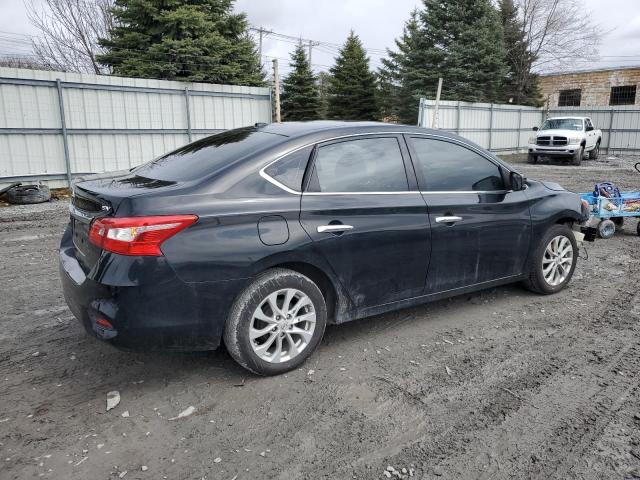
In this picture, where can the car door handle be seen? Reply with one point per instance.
(448, 219)
(334, 228)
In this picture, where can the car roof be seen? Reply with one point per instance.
(331, 128)
(562, 118)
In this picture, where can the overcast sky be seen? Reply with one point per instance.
(377, 22)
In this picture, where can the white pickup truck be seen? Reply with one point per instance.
(569, 137)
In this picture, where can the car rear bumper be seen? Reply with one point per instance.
(168, 314)
(565, 151)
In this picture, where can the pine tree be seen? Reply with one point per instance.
(520, 84)
(466, 36)
(352, 91)
(402, 76)
(300, 99)
(458, 40)
(192, 40)
(324, 79)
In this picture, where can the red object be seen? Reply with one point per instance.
(137, 235)
(104, 323)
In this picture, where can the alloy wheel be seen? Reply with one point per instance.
(282, 326)
(557, 260)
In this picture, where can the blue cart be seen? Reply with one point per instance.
(609, 212)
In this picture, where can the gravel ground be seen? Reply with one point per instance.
(500, 384)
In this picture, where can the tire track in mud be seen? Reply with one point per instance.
(529, 381)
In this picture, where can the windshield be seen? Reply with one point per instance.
(562, 124)
(208, 155)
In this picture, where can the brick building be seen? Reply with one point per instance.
(602, 87)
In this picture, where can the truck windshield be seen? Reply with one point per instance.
(562, 124)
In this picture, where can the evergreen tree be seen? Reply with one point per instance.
(458, 40)
(468, 50)
(520, 84)
(300, 99)
(352, 91)
(401, 78)
(191, 40)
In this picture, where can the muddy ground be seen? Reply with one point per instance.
(496, 385)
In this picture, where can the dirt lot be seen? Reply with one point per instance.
(500, 384)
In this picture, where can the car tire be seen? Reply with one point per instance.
(270, 353)
(532, 159)
(28, 194)
(606, 229)
(577, 157)
(595, 153)
(543, 264)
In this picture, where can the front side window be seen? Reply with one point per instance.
(363, 165)
(449, 167)
(570, 98)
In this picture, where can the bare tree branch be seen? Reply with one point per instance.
(560, 33)
(69, 33)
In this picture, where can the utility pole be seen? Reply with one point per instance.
(311, 45)
(434, 121)
(276, 89)
(261, 32)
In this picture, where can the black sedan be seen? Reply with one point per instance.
(261, 236)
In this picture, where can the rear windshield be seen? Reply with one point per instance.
(208, 155)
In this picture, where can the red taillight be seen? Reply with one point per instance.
(137, 235)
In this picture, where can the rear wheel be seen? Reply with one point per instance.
(577, 157)
(595, 153)
(553, 262)
(606, 229)
(276, 322)
(532, 158)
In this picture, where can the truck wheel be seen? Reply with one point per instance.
(577, 157)
(276, 322)
(553, 262)
(28, 194)
(595, 153)
(532, 158)
(606, 229)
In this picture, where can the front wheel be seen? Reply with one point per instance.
(532, 159)
(553, 262)
(276, 322)
(577, 157)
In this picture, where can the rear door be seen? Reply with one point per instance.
(365, 215)
(480, 232)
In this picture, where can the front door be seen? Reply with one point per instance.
(480, 232)
(358, 209)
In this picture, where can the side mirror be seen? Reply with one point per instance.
(516, 181)
(535, 129)
(589, 129)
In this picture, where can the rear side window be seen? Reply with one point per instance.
(208, 155)
(448, 167)
(289, 170)
(363, 165)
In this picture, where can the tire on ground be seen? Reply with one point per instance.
(536, 281)
(606, 229)
(595, 153)
(577, 157)
(28, 194)
(532, 158)
(236, 332)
